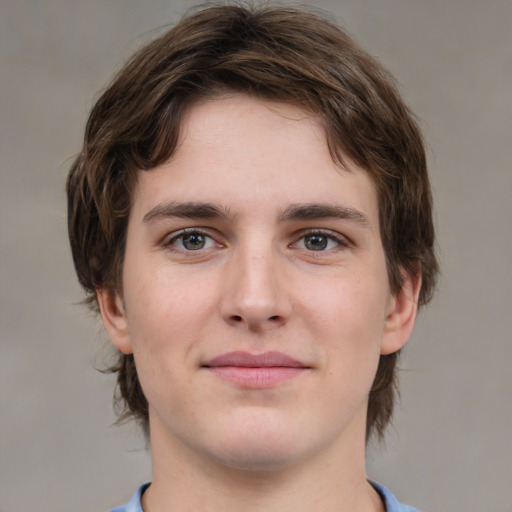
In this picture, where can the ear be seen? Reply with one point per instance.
(401, 314)
(114, 319)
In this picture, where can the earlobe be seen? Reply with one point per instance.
(114, 319)
(401, 314)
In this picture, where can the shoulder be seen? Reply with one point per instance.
(134, 505)
(390, 500)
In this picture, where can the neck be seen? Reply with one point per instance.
(331, 481)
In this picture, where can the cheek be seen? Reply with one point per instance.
(162, 325)
(351, 308)
(352, 321)
(166, 311)
(347, 324)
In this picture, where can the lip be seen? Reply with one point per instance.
(257, 371)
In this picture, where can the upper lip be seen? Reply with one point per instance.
(248, 360)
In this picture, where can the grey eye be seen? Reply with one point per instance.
(190, 240)
(193, 241)
(316, 242)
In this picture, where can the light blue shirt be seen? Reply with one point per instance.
(392, 504)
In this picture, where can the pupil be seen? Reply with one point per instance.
(316, 242)
(193, 241)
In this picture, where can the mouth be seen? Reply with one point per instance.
(255, 371)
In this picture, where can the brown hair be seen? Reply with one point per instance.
(277, 53)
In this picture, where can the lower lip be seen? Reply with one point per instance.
(257, 378)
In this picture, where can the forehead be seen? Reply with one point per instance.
(235, 110)
(249, 152)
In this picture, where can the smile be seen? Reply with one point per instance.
(255, 370)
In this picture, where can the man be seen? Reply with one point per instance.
(251, 214)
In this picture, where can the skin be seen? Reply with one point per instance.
(256, 271)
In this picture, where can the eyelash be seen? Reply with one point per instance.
(341, 241)
(168, 243)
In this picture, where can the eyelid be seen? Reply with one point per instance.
(339, 238)
(342, 240)
(170, 238)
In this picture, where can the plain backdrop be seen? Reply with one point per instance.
(450, 447)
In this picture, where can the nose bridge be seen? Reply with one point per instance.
(254, 294)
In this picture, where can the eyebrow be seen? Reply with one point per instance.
(298, 211)
(312, 211)
(187, 210)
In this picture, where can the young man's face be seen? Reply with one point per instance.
(255, 298)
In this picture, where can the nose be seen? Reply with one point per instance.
(255, 292)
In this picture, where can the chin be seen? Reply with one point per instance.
(259, 446)
(256, 457)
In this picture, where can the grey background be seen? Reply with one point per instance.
(450, 449)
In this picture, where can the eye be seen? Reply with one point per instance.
(191, 240)
(319, 241)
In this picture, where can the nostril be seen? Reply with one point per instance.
(274, 318)
(237, 318)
